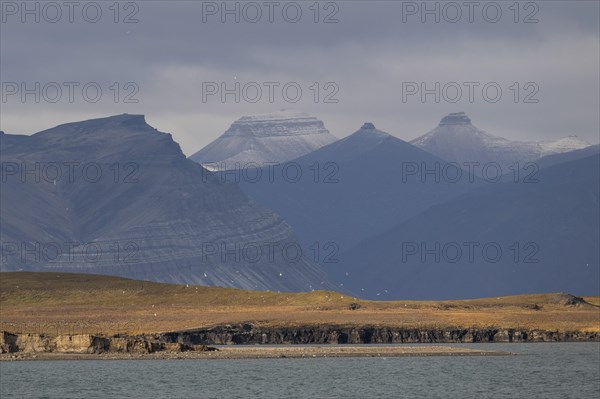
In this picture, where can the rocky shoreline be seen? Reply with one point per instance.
(196, 343)
(268, 352)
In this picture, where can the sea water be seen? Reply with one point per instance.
(541, 370)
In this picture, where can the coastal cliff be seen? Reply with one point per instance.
(247, 334)
(88, 344)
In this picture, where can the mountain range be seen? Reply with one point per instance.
(370, 214)
(379, 198)
(116, 196)
(354, 188)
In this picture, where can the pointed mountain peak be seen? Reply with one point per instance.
(455, 118)
(368, 129)
(368, 126)
(369, 134)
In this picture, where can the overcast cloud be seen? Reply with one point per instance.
(365, 56)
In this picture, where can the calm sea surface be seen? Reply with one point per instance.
(545, 370)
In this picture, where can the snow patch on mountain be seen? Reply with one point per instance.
(565, 144)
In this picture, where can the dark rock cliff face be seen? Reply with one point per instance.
(250, 334)
(197, 340)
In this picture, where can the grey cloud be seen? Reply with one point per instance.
(369, 53)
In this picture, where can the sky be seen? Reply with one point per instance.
(524, 71)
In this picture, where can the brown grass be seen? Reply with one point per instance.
(79, 303)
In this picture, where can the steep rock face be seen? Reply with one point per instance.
(263, 139)
(115, 196)
(455, 139)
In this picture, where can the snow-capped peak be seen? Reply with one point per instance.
(267, 138)
(281, 123)
(455, 129)
(455, 139)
